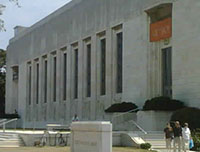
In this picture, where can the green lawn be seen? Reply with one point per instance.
(61, 149)
(122, 149)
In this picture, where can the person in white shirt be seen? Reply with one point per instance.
(186, 136)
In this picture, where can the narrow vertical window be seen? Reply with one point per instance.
(45, 81)
(103, 66)
(119, 62)
(37, 83)
(54, 79)
(75, 73)
(65, 76)
(29, 86)
(15, 73)
(167, 72)
(88, 70)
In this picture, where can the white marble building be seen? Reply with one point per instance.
(90, 54)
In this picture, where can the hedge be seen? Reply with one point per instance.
(121, 107)
(145, 146)
(196, 139)
(163, 104)
(189, 115)
(9, 116)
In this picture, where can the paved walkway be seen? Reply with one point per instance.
(42, 132)
(36, 149)
(164, 150)
(61, 149)
(30, 131)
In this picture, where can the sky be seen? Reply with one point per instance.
(29, 12)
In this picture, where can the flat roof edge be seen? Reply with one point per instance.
(54, 14)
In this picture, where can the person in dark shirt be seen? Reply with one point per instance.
(177, 136)
(168, 137)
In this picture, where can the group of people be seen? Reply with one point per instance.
(179, 136)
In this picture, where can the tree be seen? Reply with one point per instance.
(1, 21)
(2, 7)
(2, 80)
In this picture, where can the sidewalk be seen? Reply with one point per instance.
(30, 131)
(164, 150)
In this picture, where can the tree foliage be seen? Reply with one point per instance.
(2, 81)
(1, 21)
(2, 7)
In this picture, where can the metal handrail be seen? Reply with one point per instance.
(2, 120)
(127, 112)
(9, 121)
(138, 126)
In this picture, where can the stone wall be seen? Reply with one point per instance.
(70, 27)
(153, 120)
(186, 73)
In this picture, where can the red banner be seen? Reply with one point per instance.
(161, 30)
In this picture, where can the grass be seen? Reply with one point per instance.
(125, 149)
(62, 149)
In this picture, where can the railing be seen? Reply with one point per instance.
(137, 125)
(9, 121)
(1, 121)
(126, 112)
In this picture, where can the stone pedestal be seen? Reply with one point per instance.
(91, 137)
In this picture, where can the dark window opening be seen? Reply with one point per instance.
(45, 81)
(65, 76)
(103, 67)
(54, 78)
(167, 71)
(15, 73)
(88, 70)
(37, 83)
(119, 62)
(29, 86)
(75, 73)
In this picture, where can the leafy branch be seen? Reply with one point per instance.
(16, 2)
(2, 8)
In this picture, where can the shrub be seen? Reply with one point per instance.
(189, 115)
(9, 116)
(145, 146)
(196, 139)
(163, 104)
(121, 107)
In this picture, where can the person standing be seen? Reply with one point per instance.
(168, 137)
(177, 136)
(75, 118)
(186, 137)
(44, 138)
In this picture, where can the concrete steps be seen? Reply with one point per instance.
(10, 140)
(157, 140)
(136, 138)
